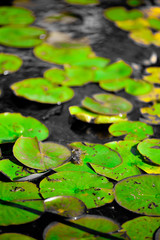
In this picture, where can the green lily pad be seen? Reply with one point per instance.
(15, 236)
(90, 117)
(153, 76)
(107, 104)
(154, 95)
(154, 23)
(84, 153)
(149, 148)
(133, 24)
(113, 85)
(96, 223)
(9, 63)
(141, 228)
(127, 150)
(66, 206)
(121, 14)
(21, 36)
(14, 125)
(82, 2)
(38, 155)
(20, 203)
(114, 71)
(139, 194)
(148, 167)
(64, 53)
(93, 190)
(15, 16)
(132, 130)
(134, 3)
(94, 62)
(42, 90)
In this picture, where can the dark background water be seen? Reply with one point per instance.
(107, 41)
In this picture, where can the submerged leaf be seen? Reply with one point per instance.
(38, 155)
(14, 125)
(93, 190)
(132, 130)
(139, 194)
(9, 63)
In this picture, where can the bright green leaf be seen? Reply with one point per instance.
(9, 63)
(15, 236)
(82, 2)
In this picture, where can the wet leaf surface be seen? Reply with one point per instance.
(38, 155)
(14, 125)
(139, 194)
(92, 189)
(66, 206)
(9, 63)
(132, 130)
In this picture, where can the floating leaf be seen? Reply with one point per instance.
(14, 125)
(82, 2)
(66, 206)
(150, 148)
(132, 130)
(92, 189)
(139, 194)
(127, 150)
(154, 23)
(114, 71)
(152, 12)
(21, 37)
(121, 14)
(20, 203)
(95, 223)
(15, 236)
(40, 155)
(107, 104)
(141, 228)
(134, 3)
(154, 76)
(114, 85)
(90, 117)
(42, 90)
(142, 36)
(9, 63)
(151, 96)
(133, 24)
(69, 53)
(15, 16)
(151, 114)
(94, 62)
(84, 153)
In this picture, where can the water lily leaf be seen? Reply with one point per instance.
(83, 2)
(40, 155)
(64, 53)
(97, 223)
(84, 153)
(15, 16)
(153, 76)
(151, 96)
(130, 158)
(151, 114)
(14, 125)
(148, 167)
(149, 148)
(9, 63)
(134, 3)
(114, 71)
(142, 36)
(21, 36)
(139, 194)
(154, 23)
(92, 189)
(20, 203)
(141, 227)
(94, 62)
(152, 12)
(113, 85)
(15, 236)
(132, 130)
(121, 14)
(41, 90)
(66, 206)
(90, 117)
(107, 104)
(133, 24)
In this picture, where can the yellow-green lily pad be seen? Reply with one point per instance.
(42, 90)
(121, 14)
(93, 62)
(107, 104)
(141, 228)
(90, 117)
(20, 203)
(150, 148)
(139, 194)
(15, 236)
(15, 16)
(154, 75)
(154, 95)
(82, 2)
(93, 190)
(38, 155)
(14, 125)
(133, 24)
(142, 36)
(21, 36)
(132, 130)
(9, 63)
(151, 114)
(66, 206)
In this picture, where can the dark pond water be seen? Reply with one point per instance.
(107, 41)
